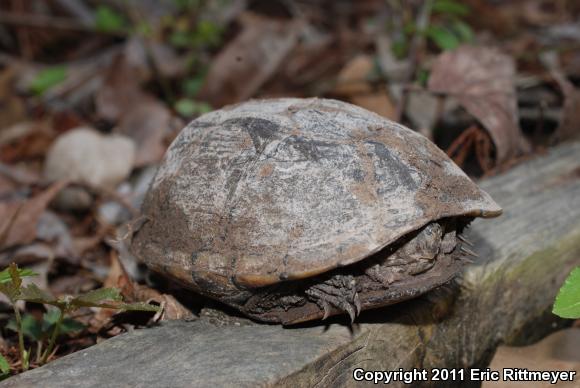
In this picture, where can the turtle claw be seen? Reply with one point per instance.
(465, 240)
(326, 308)
(357, 304)
(353, 308)
(347, 307)
(469, 251)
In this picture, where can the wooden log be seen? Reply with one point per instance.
(505, 297)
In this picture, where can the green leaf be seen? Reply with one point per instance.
(31, 293)
(15, 275)
(187, 5)
(400, 47)
(192, 86)
(567, 303)
(463, 31)
(180, 39)
(10, 291)
(140, 306)
(97, 298)
(144, 29)
(443, 38)
(31, 327)
(4, 366)
(188, 107)
(109, 298)
(47, 78)
(11, 288)
(207, 33)
(109, 20)
(450, 7)
(68, 325)
(50, 317)
(423, 77)
(22, 272)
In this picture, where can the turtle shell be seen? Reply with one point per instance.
(275, 190)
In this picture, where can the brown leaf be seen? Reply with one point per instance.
(120, 90)
(147, 122)
(378, 102)
(133, 292)
(249, 60)
(353, 84)
(18, 174)
(353, 78)
(482, 80)
(18, 219)
(6, 185)
(13, 109)
(139, 115)
(26, 140)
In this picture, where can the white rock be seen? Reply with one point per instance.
(84, 155)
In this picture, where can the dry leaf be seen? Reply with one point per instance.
(147, 122)
(482, 80)
(133, 292)
(353, 84)
(13, 109)
(18, 219)
(139, 115)
(378, 102)
(18, 175)
(120, 90)
(353, 78)
(249, 60)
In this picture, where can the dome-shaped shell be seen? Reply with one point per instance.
(273, 190)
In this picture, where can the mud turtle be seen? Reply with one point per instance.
(296, 209)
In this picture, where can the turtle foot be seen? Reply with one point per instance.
(339, 292)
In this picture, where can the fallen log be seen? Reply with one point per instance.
(505, 297)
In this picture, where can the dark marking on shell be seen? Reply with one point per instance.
(392, 171)
(261, 131)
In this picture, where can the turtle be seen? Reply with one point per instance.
(291, 210)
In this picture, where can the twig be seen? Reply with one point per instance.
(78, 9)
(22, 33)
(18, 176)
(461, 145)
(53, 337)
(5, 231)
(422, 22)
(43, 21)
(111, 195)
(23, 355)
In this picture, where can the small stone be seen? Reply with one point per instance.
(86, 156)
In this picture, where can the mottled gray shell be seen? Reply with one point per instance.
(272, 190)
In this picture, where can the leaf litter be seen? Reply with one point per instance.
(482, 80)
(142, 80)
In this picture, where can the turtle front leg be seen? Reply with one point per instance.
(340, 292)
